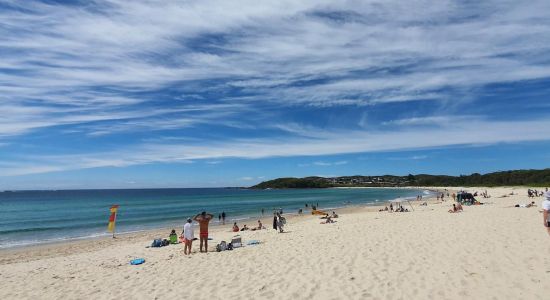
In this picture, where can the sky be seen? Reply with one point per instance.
(134, 94)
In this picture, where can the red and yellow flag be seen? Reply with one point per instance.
(112, 218)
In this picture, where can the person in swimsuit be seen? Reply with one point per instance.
(203, 219)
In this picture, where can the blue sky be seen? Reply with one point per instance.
(222, 93)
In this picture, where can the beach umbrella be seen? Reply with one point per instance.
(401, 201)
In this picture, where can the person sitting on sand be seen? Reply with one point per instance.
(454, 210)
(334, 215)
(328, 221)
(235, 227)
(260, 226)
(459, 207)
(245, 228)
(173, 237)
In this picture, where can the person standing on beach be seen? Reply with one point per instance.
(274, 220)
(546, 211)
(188, 236)
(203, 219)
(223, 217)
(280, 223)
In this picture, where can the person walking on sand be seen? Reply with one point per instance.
(188, 236)
(203, 219)
(223, 217)
(546, 211)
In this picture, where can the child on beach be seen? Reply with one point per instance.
(173, 237)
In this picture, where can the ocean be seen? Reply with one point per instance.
(35, 217)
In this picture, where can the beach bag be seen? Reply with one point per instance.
(157, 243)
(236, 242)
(283, 220)
(221, 246)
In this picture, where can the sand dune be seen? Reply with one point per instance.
(491, 251)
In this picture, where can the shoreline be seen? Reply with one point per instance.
(52, 249)
(155, 229)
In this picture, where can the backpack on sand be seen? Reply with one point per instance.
(221, 246)
(157, 243)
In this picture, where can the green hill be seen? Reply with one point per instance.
(505, 178)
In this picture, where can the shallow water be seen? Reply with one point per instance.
(33, 217)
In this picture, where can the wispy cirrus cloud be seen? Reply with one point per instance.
(472, 133)
(266, 79)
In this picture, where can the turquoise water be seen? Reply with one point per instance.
(33, 217)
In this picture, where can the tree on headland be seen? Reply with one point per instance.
(504, 178)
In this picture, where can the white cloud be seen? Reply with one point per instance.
(102, 70)
(408, 51)
(466, 133)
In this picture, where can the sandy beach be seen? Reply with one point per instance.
(491, 251)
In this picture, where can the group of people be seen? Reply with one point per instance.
(221, 217)
(329, 218)
(398, 208)
(245, 227)
(188, 234)
(203, 219)
(532, 193)
(483, 194)
(278, 221)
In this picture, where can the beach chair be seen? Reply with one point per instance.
(236, 241)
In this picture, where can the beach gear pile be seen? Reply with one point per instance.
(236, 242)
(160, 243)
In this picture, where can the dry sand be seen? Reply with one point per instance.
(492, 251)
